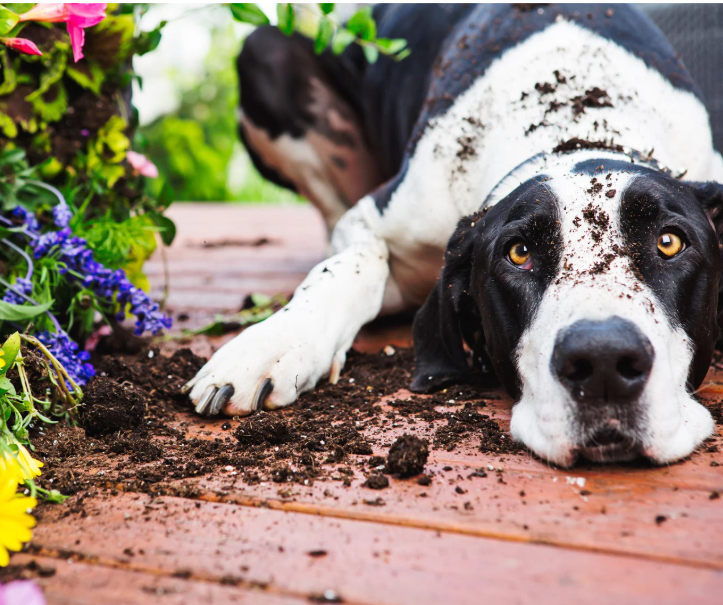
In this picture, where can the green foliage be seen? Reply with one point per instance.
(360, 29)
(286, 16)
(8, 20)
(194, 146)
(10, 312)
(249, 13)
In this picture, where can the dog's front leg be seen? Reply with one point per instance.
(271, 363)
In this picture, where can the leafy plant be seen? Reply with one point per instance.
(360, 29)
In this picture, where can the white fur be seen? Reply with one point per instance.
(544, 418)
(405, 243)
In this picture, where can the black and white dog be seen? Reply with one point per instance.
(563, 158)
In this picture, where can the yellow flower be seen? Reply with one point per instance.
(15, 520)
(2, 361)
(31, 466)
(10, 466)
(21, 466)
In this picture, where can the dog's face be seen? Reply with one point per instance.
(593, 290)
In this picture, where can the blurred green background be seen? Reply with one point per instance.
(188, 100)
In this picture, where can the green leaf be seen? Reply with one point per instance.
(167, 228)
(261, 300)
(88, 74)
(8, 20)
(10, 312)
(323, 35)
(342, 39)
(285, 12)
(10, 76)
(392, 47)
(167, 195)
(10, 350)
(362, 24)
(6, 387)
(371, 53)
(327, 7)
(249, 13)
(148, 41)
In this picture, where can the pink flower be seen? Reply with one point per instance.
(21, 592)
(77, 16)
(21, 45)
(142, 165)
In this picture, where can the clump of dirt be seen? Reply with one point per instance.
(407, 456)
(545, 88)
(467, 149)
(110, 407)
(376, 481)
(596, 217)
(593, 98)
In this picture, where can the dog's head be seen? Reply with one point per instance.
(593, 292)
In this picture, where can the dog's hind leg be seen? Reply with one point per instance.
(300, 123)
(271, 363)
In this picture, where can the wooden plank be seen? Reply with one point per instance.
(362, 562)
(78, 583)
(207, 280)
(662, 513)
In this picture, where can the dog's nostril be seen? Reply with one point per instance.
(628, 368)
(580, 369)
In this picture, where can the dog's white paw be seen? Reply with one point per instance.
(266, 366)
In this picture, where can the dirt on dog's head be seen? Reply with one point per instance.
(592, 289)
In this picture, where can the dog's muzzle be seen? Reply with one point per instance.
(604, 365)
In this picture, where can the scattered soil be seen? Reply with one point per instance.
(407, 456)
(139, 434)
(576, 144)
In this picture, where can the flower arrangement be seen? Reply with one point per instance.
(76, 218)
(77, 221)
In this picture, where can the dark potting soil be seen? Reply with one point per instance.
(138, 433)
(407, 456)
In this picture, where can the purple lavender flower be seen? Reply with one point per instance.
(67, 352)
(21, 592)
(28, 218)
(77, 264)
(21, 286)
(62, 215)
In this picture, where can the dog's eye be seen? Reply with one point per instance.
(670, 244)
(520, 255)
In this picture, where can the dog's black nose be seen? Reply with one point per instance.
(606, 361)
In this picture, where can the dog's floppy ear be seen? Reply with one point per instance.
(710, 196)
(448, 318)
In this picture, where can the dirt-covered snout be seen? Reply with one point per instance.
(593, 294)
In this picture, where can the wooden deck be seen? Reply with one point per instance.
(525, 533)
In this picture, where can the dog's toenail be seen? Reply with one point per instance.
(205, 399)
(262, 393)
(221, 399)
